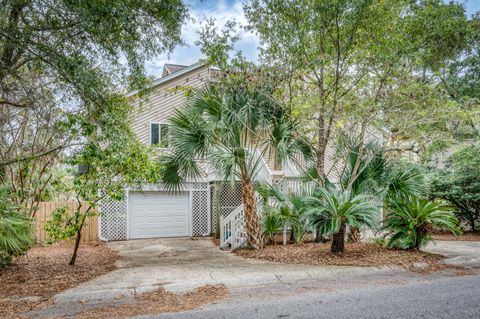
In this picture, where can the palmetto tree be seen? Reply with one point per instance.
(380, 176)
(332, 210)
(231, 125)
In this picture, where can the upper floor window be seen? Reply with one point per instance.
(159, 134)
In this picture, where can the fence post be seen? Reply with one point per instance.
(220, 230)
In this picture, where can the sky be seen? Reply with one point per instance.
(222, 11)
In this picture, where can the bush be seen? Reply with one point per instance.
(409, 221)
(15, 229)
(459, 183)
(272, 225)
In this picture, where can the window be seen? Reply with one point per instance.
(159, 134)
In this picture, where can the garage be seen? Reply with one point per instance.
(153, 214)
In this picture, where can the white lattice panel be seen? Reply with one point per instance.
(200, 213)
(113, 214)
(113, 220)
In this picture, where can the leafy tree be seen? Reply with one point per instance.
(111, 159)
(333, 210)
(352, 61)
(61, 63)
(15, 229)
(460, 80)
(231, 125)
(459, 183)
(409, 221)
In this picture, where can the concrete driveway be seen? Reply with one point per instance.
(182, 264)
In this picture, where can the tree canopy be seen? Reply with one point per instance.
(63, 66)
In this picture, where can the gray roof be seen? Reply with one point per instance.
(169, 68)
(171, 76)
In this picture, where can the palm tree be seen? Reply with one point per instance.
(231, 125)
(410, 219)
(332, 210)
(381, 177)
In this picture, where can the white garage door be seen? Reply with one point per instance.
(158, 214)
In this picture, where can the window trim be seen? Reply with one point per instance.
(159, 134)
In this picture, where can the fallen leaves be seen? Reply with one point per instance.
(159, 301)
(31, 281)
(356, 254)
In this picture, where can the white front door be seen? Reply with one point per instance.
(158, 214)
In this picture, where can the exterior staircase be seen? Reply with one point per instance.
(232, 226)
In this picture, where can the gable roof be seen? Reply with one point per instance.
(169, 68)
(171, 76)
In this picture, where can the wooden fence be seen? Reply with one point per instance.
(45, 209)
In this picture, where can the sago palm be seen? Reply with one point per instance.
(410, 219)
(332, 210)
(231, 126)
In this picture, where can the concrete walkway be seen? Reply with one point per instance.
(462, 253)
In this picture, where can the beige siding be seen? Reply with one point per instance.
(159, 106)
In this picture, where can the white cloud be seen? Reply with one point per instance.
(222, 11)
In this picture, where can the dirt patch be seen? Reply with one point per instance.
(160, 301)
(32, 280)
(356, 254)
(466, 236)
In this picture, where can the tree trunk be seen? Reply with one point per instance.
(77, 239)
(75, 249)
(318, 237)
(338, 241)
(354, 235)
(252, 222)
(320, 152)
(422, 232)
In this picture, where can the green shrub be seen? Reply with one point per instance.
(15, 229)
(459, 184)
(409, 221)
(272, 225)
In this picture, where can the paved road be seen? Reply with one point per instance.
(451, 297)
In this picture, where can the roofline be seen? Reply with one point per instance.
(171, 76)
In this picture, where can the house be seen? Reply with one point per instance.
(203, 207)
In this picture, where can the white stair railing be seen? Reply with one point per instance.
(232, 227)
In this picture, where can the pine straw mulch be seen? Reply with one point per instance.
(159, 301)
(356, 254)
(466, 236)
(32, 280)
